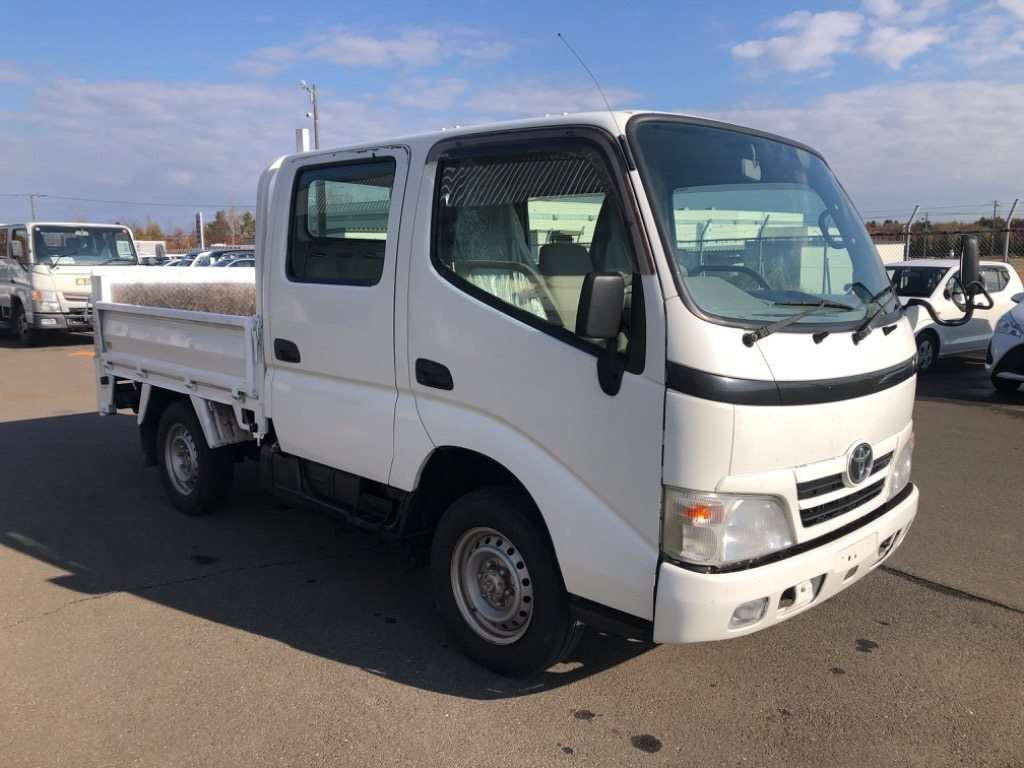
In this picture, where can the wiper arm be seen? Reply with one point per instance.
(865, 328)
(767, 330)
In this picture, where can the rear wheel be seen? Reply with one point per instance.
(1005, 386)
(497, 584)
(21, 328)
(927, 351)
(197, 478)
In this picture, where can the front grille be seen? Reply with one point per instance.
(823, 512)
(822, 485)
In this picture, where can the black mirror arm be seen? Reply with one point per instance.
(970, 292)
(610, 367)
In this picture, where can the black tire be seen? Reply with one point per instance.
(551, 631)
(21, 329)
(1005, 386)
(927, 351)
(210, 484)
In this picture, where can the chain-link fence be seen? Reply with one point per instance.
(942, 244)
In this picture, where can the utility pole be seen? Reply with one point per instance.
(32, 205)
(995, 228)
(315, 114)
(1008, 232)
(906, 234)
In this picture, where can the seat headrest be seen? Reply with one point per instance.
(564, 259)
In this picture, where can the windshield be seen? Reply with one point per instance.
(82, 246)
(756, 226)
(919, 282)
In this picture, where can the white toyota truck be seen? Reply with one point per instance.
(641, 371)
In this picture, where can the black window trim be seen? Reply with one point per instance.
(517, 142)
(372, 156)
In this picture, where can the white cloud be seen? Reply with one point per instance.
(424, 94)
(1016, 7)
(991, 38)
(531, 98)
(175, 142)
(10, 73)
(812, 41)
(346, 47)
(892, 11)
(893, 46)
(896, 145)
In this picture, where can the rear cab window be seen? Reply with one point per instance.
(339, 222)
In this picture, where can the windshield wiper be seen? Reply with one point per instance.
(865, 328)
(812, 306)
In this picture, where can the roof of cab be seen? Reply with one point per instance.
(64, 224)
(612, 121)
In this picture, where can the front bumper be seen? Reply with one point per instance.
(694, 607)
(1005, 356)
(48, 321)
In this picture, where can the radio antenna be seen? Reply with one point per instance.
(600, 90)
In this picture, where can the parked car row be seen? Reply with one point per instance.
(996, 328)
(215, 257)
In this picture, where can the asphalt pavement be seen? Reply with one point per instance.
(265, 635)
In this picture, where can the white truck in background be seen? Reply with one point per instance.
(46, 273)
(669, 431)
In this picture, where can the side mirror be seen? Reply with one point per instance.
(969, 274)
(17, 251)
(602, 299)
(599, 316)
(1017, 298)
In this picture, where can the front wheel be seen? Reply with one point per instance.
(1005, 386)
(497, 584)
(196, 477)
(927, 351)
(21, 327)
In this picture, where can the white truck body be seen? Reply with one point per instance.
(376, 381)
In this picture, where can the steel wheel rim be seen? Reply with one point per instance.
(181, 458)
(925, 354)
(492, 586)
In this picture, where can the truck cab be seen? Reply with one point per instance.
(46, 273)
(638, 370)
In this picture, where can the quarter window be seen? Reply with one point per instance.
(339, 223)
(995, 279)
(523, 231)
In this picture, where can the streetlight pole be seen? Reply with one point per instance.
(315, 114)
(32, 204)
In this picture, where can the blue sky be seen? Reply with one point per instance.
(920, 101)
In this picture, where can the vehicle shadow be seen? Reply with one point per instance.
(965, 380)
(48, 339)
(287, 574)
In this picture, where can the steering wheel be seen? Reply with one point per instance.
(538, 289)
(722, 268)
(832, 242)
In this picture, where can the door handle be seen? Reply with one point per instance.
(432, 374)
(287, 351)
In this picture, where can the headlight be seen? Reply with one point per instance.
(904, 462)
(1009, 325)
(46, 301)
(721, 528)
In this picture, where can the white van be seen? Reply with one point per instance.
(46, 269)
(653, 380)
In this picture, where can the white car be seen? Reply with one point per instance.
(1005, 359)
(938, 282)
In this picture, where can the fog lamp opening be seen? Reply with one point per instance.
(748, 613)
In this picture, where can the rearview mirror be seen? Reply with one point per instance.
(969, 264)
(1017, 298)
(16, 250)
(599, 315)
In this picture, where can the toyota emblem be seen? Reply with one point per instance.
(858, 463)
